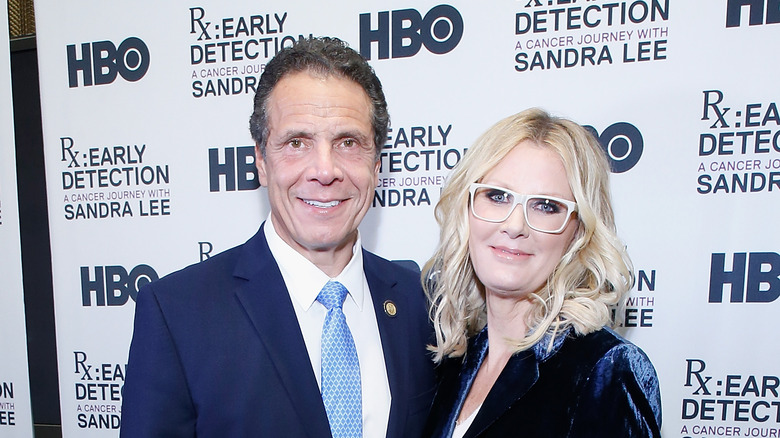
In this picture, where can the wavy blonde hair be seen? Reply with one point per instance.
(592, 277)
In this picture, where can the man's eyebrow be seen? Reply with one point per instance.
(295, 133)
(358, 135)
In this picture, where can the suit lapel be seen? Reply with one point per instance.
(393, 330)
(518, 376)
(267, 303)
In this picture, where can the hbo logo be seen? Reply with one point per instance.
(623, 144)
(753, 278)
(439, 31)
(101, 61)
(113, 285)
(734, 9)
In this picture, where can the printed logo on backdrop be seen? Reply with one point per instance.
(744, 277)
(112, 182)
(559, 34)
(7, 405)
(640, 304)
(739, 147)
(405, 32)
(758, 12)
(415, 163)
(623, 144)
(98, 392)
(232, 168)
(728, 402)
(228, 54)
(101, 62)
(113, 285)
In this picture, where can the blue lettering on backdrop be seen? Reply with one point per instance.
(238, 169)
(762, 285)
(756, 9)
(439, 31)
(101, 61)
(623, 144)
(113, 285)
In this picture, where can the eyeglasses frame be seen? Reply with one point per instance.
(521, 199)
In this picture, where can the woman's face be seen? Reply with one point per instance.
(511, 259)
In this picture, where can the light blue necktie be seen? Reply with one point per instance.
(340, 367)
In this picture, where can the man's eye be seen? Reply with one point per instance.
(296, 143)
(349, 143)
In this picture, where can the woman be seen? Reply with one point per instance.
(522, 286)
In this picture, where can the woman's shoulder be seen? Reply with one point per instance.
(601, 348)
(614, 368)
(604, 358)
(614, 346)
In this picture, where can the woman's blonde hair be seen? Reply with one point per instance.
(592, 277)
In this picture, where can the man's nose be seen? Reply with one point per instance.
(324, 165)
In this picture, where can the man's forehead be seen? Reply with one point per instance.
(309, 100)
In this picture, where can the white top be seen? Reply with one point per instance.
(304, 282)
(463, 426)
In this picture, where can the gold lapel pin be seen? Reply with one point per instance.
(390, 309)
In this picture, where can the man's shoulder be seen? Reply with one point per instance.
(215, 272)
(405, 271)
(220, 264)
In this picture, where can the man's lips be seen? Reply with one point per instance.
(321, 204)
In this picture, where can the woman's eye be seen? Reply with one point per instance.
(497, 196)
(547, 206)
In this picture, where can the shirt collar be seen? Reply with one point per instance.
(304, 280)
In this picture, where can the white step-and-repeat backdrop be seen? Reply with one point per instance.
(149, 162)
(15, 410)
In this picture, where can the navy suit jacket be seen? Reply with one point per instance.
(597, 385)
(217, 351)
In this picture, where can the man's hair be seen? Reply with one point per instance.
(594, 274)
(327, 57)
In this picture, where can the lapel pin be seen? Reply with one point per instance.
(390, 309)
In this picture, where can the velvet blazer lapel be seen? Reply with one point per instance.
(518, 376)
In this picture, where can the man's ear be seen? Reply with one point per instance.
(262, 177)
(377, 166)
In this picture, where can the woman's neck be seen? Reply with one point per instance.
(506, 323)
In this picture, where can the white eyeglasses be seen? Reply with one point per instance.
(542, 213)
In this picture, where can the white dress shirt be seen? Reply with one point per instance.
(304, 282)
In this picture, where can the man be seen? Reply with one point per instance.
(237, 345)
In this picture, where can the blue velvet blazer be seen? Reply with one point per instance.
(598, 385)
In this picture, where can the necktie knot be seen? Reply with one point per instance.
(332, 295)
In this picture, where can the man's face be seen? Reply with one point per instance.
(320, 166)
